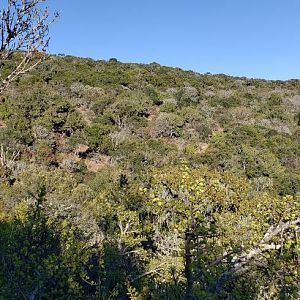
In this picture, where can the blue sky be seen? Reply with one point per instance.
(253, 38)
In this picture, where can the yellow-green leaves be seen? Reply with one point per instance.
(223, 217)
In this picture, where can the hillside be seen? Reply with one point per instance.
(86, 144)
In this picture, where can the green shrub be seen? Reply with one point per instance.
(229, 102)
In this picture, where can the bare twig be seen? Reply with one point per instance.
(24, 29)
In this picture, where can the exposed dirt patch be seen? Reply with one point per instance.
(72, 157)
(95, 164)
(219, 129)
(81, 149)
(87, 115)
(62, 143)
(202, 147)
(2, 124)
(153, 114)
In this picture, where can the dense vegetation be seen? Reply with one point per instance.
(130, 181)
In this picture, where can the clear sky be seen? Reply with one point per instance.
(253, 38)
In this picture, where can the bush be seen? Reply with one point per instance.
(168, 107)
(229, 102)
(167, 125)
(187, 96)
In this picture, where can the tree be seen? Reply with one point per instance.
(24, 30)
(230, 238)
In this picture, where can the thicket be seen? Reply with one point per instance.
(131, 181)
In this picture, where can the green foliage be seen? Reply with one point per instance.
(227, 102)
(168, 125)
(49, 261)
(187, 96)
(153, 95)
(168, 107)
(97, 137)
(61, 118)
(213, 215)
(249, 151)
(95, 202)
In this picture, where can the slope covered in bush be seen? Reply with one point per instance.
(131, 181)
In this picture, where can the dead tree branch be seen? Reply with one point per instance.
(241, 263)
(24, 30)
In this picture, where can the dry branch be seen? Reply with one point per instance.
(24, 30)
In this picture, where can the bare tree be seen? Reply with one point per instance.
(24, 30)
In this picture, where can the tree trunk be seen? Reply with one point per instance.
(188, 266)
